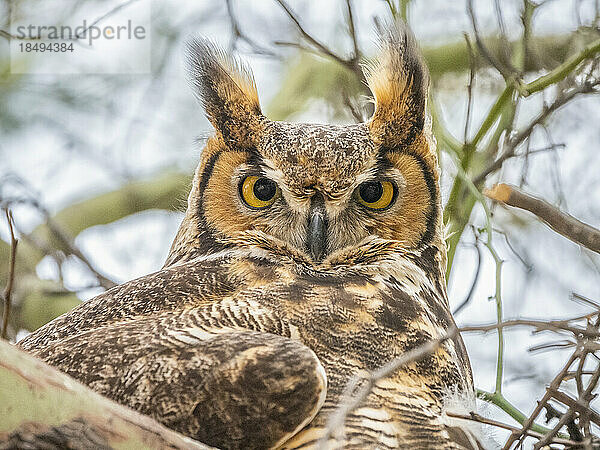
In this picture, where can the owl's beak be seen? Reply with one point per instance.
(317, 229)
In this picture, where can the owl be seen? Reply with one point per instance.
(308, 255)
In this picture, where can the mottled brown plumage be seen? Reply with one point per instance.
(261, 315)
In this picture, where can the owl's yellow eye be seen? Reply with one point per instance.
(376, 194)
(258, 192)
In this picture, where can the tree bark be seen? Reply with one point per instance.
(42, 405)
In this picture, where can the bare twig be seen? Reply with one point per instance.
(469, 295)
(103, 17)
(577, 405)
(349, 63)
(558, 379)
(559, 221)
(504, 50)
(239, 34)
(478, 418)
(583, 299)
(352, 31)
(7, 294)
(65, 242)
(586, 396)
(9, 36)
(572, 427)
(539, 325)
(586, 335)
(514, 142)
(522, 259)
(472, 70)
(70, 246)
(545, 440)
(353, 398)
(507, 73)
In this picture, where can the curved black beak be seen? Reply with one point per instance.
(317, 229)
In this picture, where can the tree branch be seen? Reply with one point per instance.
(514, 142)
(239, 34)
(507, 73)
(563, 223)
(104, 16)
(352, 31)
(7, 295)
(561, 71)
(313, 41)
(478, 418)
(38, 399)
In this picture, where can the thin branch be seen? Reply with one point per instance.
(504, 50)
(563, 223)
(585, 336)
(469, 296)
(507, 73)
(65, 241)
(577, 405)
(560, 72)
(529, 422)
(70, 246)
(314, 42)
(539, 325)
(478, 418)
(352, 398)
(493, 116)
(7, 294)
(527, 54)
(586, 396)
(352, 31)
(514, 142)
(566, 417)
(498, 262)
(8, 36)
(546, 149)
(239, 34)
(102, 17)
(522, 259)
(583, 299)
(299, 46)
(472, 70)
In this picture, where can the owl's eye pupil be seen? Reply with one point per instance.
(264, 189)
(371, 191)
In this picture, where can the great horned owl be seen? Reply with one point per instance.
(308, 254)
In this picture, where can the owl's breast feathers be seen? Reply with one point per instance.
(270, 325)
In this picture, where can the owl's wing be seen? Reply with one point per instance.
(192, 371)
(171, 289)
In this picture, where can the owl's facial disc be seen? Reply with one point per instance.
(314, 206)
(317, 188)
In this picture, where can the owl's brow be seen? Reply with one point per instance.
(254, 158)
(430, 183)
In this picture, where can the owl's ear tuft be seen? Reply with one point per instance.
(226, 88)
(399, 81)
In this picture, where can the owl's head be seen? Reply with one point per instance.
(316, 190)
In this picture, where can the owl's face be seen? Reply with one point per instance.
(319, 189)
